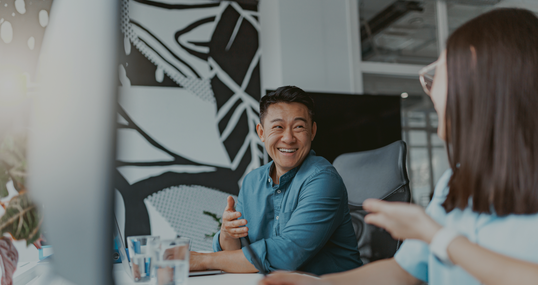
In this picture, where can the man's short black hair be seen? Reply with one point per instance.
(286, 94)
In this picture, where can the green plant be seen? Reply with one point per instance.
(21, 218)
(216, 219)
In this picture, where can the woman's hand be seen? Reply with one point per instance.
(401, 220)
(290, 278)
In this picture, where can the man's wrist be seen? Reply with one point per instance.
(212, 260)
(223, 235)
(205, 261)
(227, 242)
(223, 239)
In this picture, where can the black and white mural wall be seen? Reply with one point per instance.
(189, 91)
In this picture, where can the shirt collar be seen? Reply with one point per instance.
(288, 176)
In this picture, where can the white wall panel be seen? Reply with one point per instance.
(309, 42)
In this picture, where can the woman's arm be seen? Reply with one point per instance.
(489, 267)
(380, 272)
(405, 221)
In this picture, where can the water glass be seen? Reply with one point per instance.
(171, 265)
(141, 253)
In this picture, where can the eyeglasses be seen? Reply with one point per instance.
(426, 76)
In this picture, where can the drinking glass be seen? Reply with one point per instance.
(141, 253)
(171, 265)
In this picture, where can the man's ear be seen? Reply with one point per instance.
(314, 130)
(259, 130)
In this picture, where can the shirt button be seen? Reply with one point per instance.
(277, 218)
(278, 191)
(269, 180)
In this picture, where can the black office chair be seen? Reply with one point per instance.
(380, 173)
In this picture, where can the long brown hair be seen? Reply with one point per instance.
(492, 113)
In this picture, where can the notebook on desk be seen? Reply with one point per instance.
(205, 272)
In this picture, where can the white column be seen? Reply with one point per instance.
(354, 42)
(269, 37)
(314, 44)
(442, 24)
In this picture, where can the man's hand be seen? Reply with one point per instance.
(231, 229)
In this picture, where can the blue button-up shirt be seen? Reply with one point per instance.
(512, 235)
(303, 223)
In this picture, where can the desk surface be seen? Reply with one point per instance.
(121, 278)
(33, 274)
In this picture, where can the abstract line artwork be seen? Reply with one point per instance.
(189, 91)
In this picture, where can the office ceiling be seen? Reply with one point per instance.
(405, 31)
(411, 37)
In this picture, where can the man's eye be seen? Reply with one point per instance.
(277, 127)
(299, 127)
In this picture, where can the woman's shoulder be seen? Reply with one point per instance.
(441, 189)
(435, 208)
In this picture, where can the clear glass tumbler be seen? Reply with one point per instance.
(142, 254)
(171, 265)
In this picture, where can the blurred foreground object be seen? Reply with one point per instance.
(71, 142)
(10, 257)
(20, 219)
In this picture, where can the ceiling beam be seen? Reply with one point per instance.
(398, 69)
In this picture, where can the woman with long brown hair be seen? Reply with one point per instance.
(482, 223)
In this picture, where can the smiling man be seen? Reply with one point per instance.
(294, 209)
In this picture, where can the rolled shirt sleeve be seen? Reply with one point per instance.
(305, 230)
(216, 242)
(413, 256)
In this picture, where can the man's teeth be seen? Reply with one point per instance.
(287, 150)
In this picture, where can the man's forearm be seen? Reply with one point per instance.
(229, 243)
(230, 261)
(380, 272)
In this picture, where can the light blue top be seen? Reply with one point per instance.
(512, 235)
(303, 223)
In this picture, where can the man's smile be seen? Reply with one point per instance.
(287, 150)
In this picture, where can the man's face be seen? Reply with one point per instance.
(287, 132)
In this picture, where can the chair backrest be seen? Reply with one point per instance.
(380, 173)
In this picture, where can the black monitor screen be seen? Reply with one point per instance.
(351, 123)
